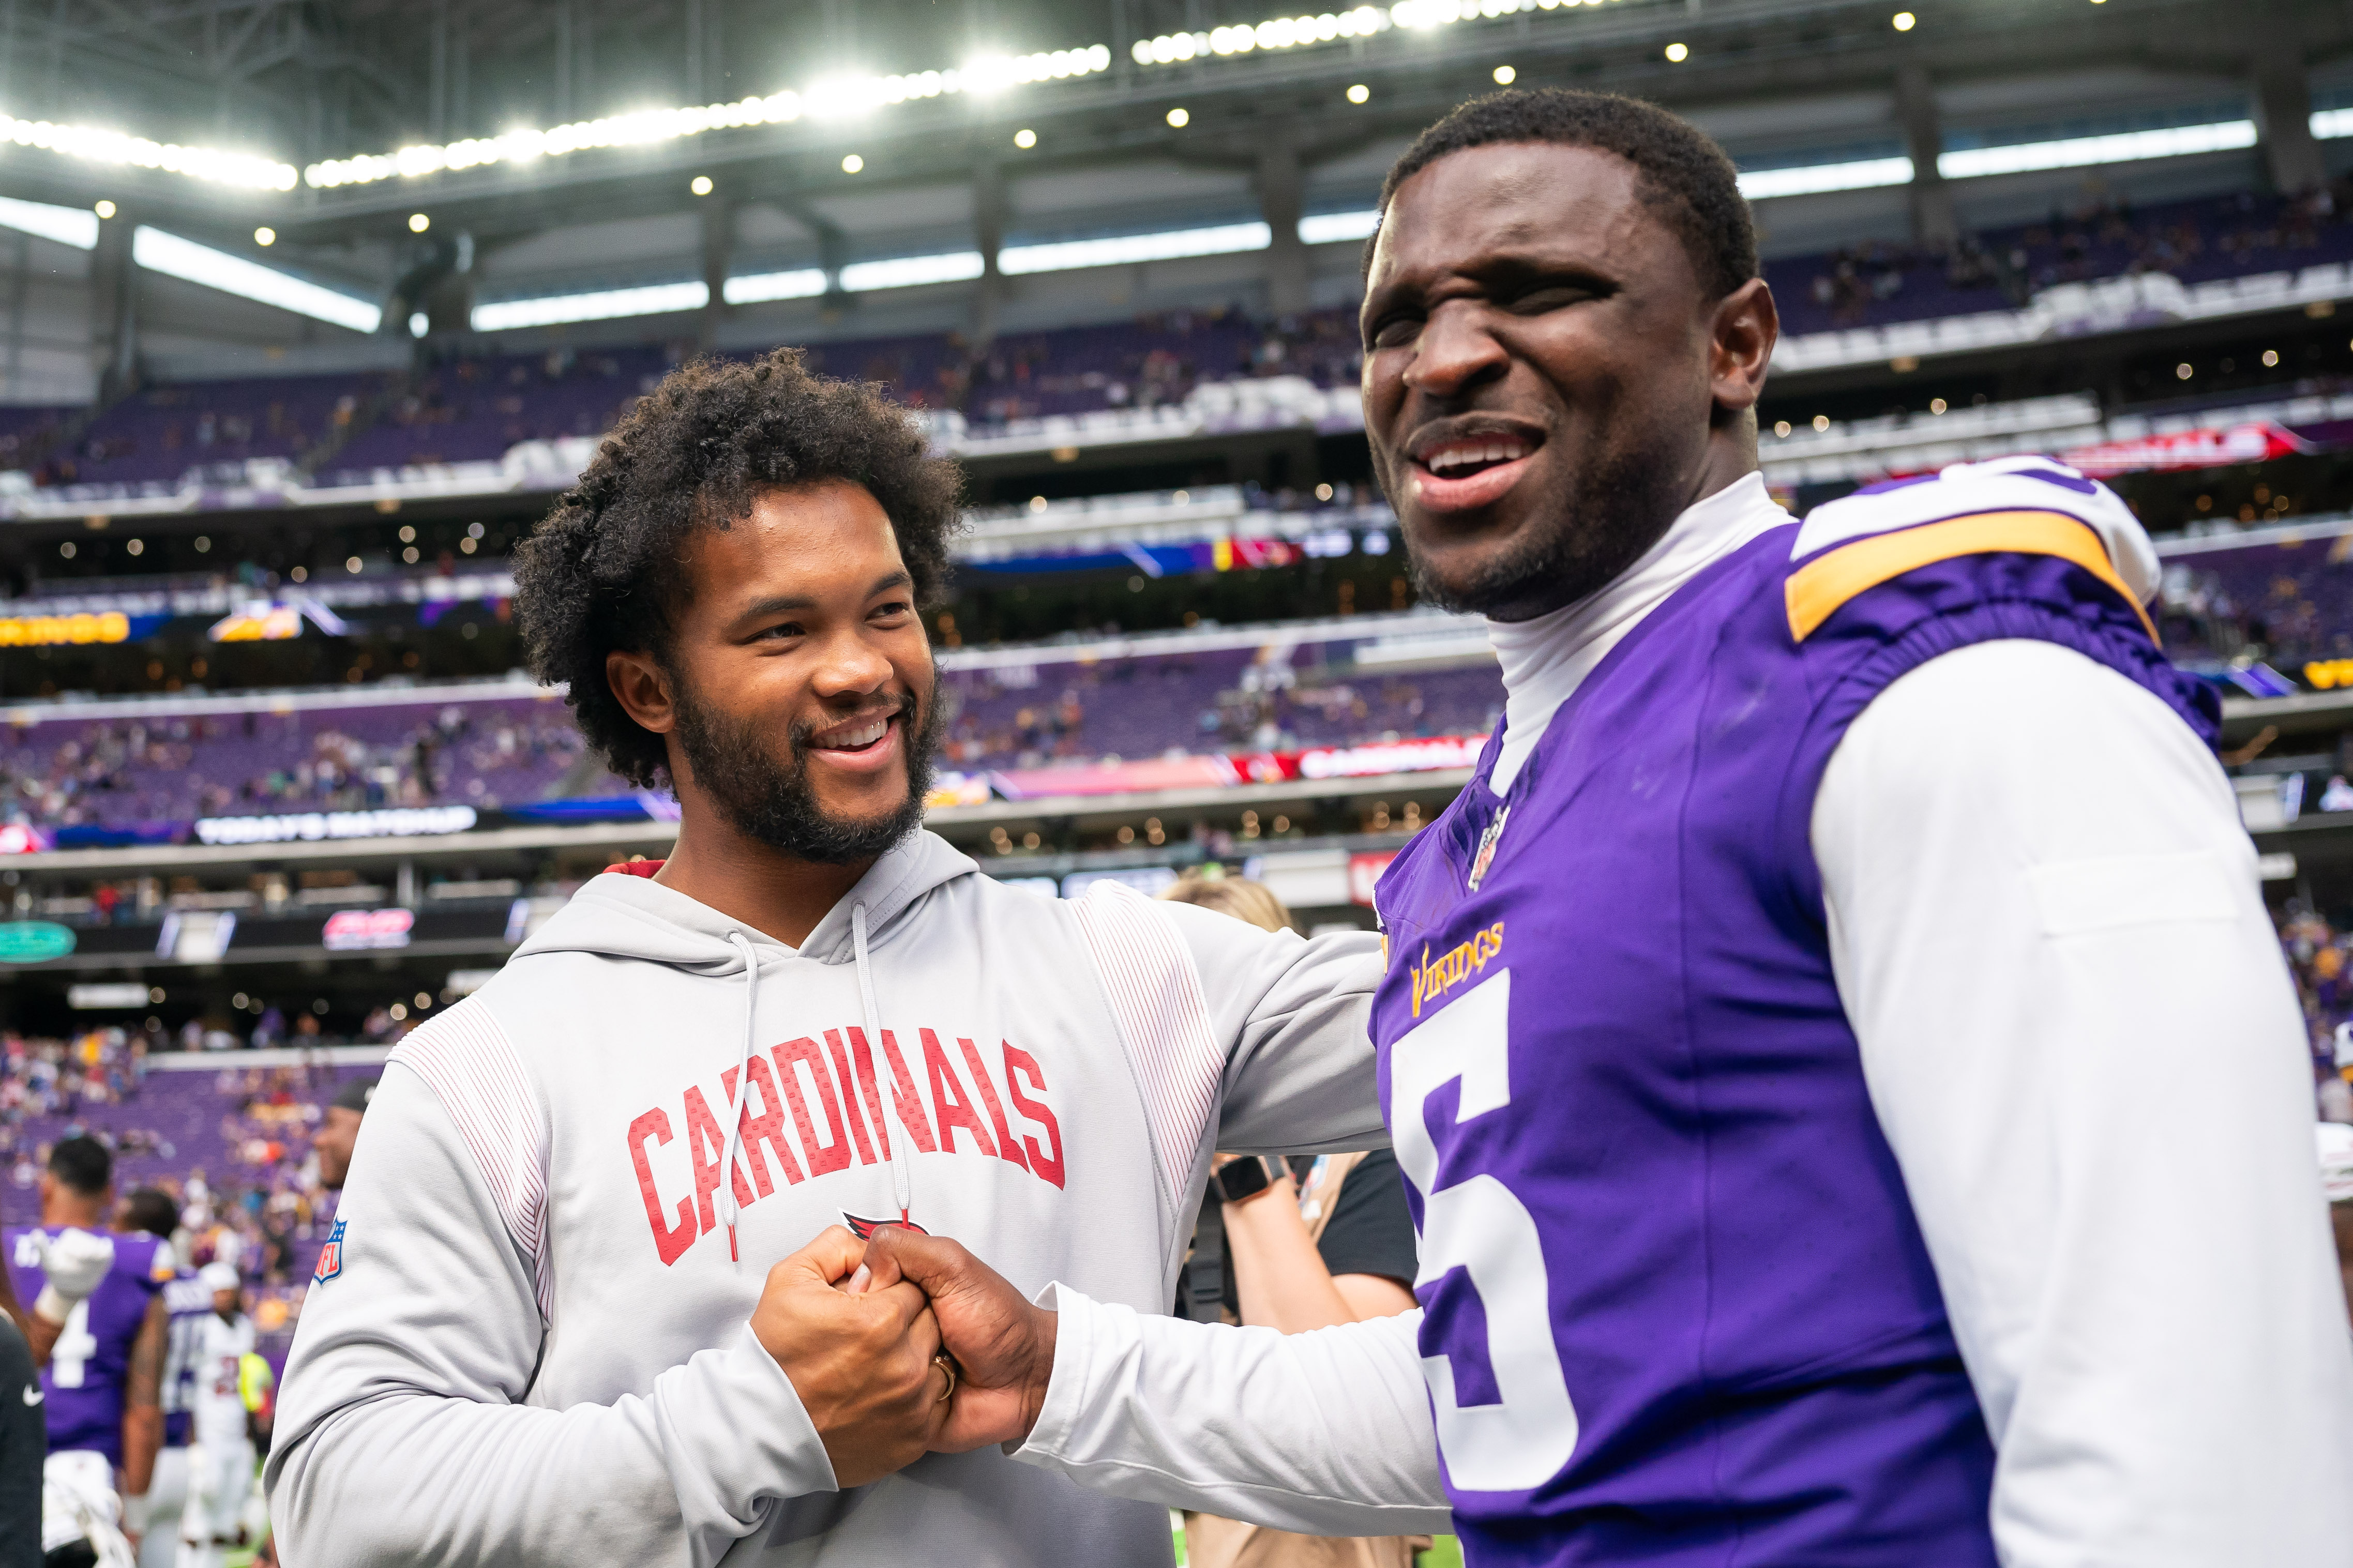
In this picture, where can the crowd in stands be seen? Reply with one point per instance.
(1028, 716)
(1876, 283)
(2289, 602)
(475, 406)
(232, 1145)
(66, 772)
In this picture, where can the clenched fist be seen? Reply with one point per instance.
(862, 1365)
(1004, 1345)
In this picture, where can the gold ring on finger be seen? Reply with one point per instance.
(946, 1363)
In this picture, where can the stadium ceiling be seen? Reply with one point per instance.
(313, 85)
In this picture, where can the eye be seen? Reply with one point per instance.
(782, 629)
(1395, 331)
(890, 610)
(1542, 297)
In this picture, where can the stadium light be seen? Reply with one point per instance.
(265, 237)
(1334, 228)
(94, 145)
(912, 271)
(832, 98)
(76, 227)
(185, 258)
(804, 283)
(102, 209)
(602, 305)
(1063, 255)
(1813, 179)
(1025, 139)
(1333, 27)
(2331, 123)
(2081, 151)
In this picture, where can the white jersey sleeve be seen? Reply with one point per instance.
(2085, 1052)
(404, 1433)
(1325, 1433)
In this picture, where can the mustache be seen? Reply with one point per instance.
(904, 706)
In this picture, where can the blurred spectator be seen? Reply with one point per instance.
(1309, 1243)
(335, 1140)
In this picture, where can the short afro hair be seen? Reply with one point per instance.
(1686, 177)
(602, 572)
(83, 1163)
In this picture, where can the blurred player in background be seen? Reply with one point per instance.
(1303, 1245)
(99, 1330)
(341, 1131)
(226, 1393)
(152, 1211)
(24, 1438)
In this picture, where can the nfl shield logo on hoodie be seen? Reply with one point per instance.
(330, 1256)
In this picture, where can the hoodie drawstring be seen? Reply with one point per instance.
(895, 1154)
(728, 1206)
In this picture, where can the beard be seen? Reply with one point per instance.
(1619, 508)
(776, 804)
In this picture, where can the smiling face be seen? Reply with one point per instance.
(1545, 384)
(795, 687)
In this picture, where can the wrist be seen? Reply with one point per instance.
(52, 1307)
(134, 1513)
(1249, 1177)
(1045, 1336)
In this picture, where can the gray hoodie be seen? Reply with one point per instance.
(526, 1342)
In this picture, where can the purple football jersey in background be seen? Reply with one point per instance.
(189, 1303)
(1678, 1309)
(84, 1379)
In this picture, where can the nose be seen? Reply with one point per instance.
(1455, 353)
(851, 669)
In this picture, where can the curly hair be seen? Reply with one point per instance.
(1686, 177)
(606, 567)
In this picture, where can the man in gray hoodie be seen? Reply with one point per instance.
(551, 1325)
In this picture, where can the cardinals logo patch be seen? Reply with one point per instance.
(330, 1256)
(864, 1229)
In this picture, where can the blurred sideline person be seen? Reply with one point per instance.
(340, 1131)
(220, 1451)
(186, 1303)
(1299, 1253)
(24, 1438)
(1856, 1106)
(550, 1325)
(99, 1331)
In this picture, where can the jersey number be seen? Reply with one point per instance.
(1478, 1225)
(76, 1345)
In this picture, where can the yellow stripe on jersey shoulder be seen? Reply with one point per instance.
(1815, 590)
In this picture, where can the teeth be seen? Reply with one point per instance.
(866, 736)
(1463, 454)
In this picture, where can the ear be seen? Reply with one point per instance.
(1745, 327)
(642, 689)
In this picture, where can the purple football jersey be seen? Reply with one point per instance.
(189, 1303)
(1678, 1309)
(84, 1380)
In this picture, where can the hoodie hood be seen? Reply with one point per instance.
(618, 916)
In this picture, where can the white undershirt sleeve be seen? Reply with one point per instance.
(2083, 1048)
(1325, 1433)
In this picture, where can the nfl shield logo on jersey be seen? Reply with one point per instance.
(1486, 856)
(330, 1256)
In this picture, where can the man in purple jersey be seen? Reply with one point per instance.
(100, 1341)
(186, 1303)
(1847, 1083)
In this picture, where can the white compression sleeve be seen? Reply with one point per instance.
(1325, 1432)
(2083, 1049)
